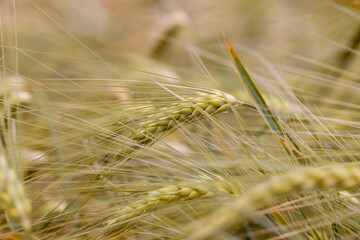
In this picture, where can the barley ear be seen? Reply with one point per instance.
(12, 195)
(167, 195)
(175, 116)
(337, 177)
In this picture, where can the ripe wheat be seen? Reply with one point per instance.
(169, 194)
(293, 182)
(172, 117)
(12, 195)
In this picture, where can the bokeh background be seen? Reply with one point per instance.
(115, 39)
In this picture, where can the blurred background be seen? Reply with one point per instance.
(176, 38)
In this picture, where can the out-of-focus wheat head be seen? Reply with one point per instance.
(294, 182)
(12, 195)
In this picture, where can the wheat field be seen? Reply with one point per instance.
(154, 119)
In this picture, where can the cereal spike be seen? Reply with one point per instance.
(191, 109)
(298, 181)
(155, 199)
(12, 195)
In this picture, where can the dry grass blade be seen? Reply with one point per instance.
(294, 182)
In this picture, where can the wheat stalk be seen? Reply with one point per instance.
(294, 182)
(12, 195)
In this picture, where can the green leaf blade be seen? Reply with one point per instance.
(254, 93)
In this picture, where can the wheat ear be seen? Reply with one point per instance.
(155, 199)
(12, 195)
(165, 195)
(295, 182)
(173, 116)
(160, 197)
(190, 109)
(151, 201)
